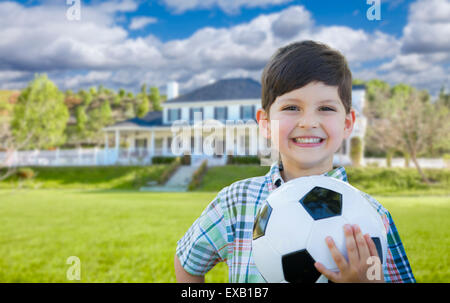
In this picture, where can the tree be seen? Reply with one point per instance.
(444, 98)
(442, 104)
(40, 111)
(377, 92)
(155, 98)
(121, 93)
(143, 106)
(81, 120)
(98, 118)
(409, 122)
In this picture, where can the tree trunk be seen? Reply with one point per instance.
(421, 173)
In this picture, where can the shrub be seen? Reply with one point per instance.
(169, 171)
(356, 152)
(446, 158)
(243, 160)
(25, 173)
(197, 176)
(163, 160)
(186, 160)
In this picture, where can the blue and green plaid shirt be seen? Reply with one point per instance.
(223, 232)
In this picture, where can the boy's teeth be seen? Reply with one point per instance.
(307, 140)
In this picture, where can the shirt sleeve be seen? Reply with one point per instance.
(398, 269)
(205, 242)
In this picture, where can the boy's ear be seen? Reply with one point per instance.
(263, 121)
(349, 123)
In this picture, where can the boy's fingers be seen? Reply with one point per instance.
(338, 258)
(350, 243)
(363, 250)
(330, 275)
(372, 248)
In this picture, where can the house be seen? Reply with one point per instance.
(210, 122)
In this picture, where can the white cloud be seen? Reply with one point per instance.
(118, 6)
(228, 6)
(423, 59)
(141, 22)
(90, 79)
(40, 38)
(291, 21)
(428, 28)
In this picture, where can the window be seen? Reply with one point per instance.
(140, 143)
(173, 114)
(247, 112)
(194, 111)
(220, 113)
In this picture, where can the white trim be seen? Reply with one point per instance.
(209, 102)
(136, 128)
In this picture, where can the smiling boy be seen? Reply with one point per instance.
(306, 92)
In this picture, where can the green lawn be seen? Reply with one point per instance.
(127, 236)
(372, 180)
(85, 177)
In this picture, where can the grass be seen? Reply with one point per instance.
(374, 181)
(127, 236)
(101, 177)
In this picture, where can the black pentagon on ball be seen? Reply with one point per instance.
(298, 267)
(322, 203)
(377, 242)
(261, 220)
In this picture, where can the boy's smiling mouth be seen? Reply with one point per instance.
(307, 141)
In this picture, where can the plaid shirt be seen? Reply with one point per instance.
(223, 232)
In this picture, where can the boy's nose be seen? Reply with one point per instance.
(308, 121)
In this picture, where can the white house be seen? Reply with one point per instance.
(211, 122)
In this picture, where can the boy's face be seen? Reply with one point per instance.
(312, 124)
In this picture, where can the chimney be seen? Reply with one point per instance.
(172, 90)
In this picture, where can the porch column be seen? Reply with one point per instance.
(347, 147)
(116, 148)
(152, 143)
(105, 150)
(164, 146)
(117, 140)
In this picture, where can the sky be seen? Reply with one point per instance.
(126, 43)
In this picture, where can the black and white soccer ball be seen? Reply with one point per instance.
(291, 226)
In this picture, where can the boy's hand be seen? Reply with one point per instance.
(359, 249)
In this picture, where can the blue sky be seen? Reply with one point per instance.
(351, 13)
(124, 43)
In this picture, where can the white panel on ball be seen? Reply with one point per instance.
(317, 247)
(294, 220)
(262, 252)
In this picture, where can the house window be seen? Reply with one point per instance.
(220, 113)
(140, 143)
(174, 114)
(194, 111)
(247, 112)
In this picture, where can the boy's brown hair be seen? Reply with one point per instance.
(300, 63)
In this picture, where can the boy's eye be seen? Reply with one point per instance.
(326, 108)
(291, 107)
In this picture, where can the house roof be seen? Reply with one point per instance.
(358, 86)
(153, 118)
(226, 89)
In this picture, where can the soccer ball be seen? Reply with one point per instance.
(290, 228)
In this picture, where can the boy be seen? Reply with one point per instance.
(306, 89)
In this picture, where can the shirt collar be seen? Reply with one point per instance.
(275, 175)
